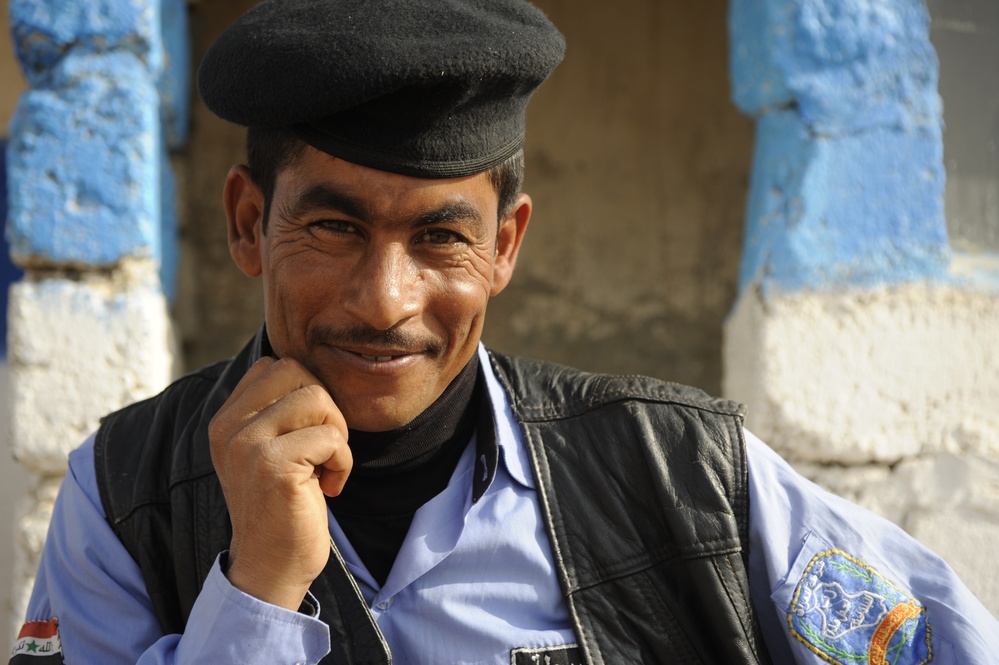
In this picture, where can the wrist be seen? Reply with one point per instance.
(242, 576)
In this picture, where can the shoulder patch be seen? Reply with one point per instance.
(37, 644)
(848, 613)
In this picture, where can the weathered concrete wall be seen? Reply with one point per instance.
(964, 35)
(638, 166)
(217, 307)
(12, 82)
(91, 221)
(13, 483)
(13, 486)
(865, 347)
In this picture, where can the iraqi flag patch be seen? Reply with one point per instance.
(846, 612)
(37, 644)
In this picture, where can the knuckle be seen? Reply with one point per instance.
(217, 429)
(315, 393)
(287, 365)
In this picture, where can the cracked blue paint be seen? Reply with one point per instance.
(848, 181)
(91, 181)
(86, 159)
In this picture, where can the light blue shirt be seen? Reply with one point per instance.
(816, 559)
(473, 581)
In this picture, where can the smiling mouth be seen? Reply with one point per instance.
(377, 359)
(377, 346)
(375, 355)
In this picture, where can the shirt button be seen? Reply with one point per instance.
(384, 605)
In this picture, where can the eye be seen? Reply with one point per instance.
(336, 227)
(440, 237)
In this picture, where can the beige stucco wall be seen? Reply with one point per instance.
(11, 81)
(638, 165)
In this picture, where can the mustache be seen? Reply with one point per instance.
(361, 335)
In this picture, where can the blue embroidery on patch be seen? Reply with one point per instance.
(847, 613)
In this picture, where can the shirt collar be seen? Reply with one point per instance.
(498, 436)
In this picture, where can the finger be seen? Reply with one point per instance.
(321, 452)
(333, 473)
(274, 380)
(271, 383)
(332, 482)
(256, 369)
(305, 407)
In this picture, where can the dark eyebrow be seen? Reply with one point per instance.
(325, 197)
(453, 211)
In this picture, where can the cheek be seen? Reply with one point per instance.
(299, 288)
(457, 299)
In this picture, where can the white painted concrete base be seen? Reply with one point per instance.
(888, 397)
(79, 349)
(13, 486)
(33, 516)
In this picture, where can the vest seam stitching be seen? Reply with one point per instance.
(644, 561)
(543, 413)
(728, 592)
(612, 577)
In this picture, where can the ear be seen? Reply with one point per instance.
(511, 234)
(244, 212)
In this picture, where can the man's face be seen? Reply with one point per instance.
(376, 282)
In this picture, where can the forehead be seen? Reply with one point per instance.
(381, 192)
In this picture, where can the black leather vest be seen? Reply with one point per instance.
(642, 485)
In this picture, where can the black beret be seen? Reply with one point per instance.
(430, 88)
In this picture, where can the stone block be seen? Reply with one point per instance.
(78, 350)
(868, 376)
(857, 210)
(846, 66)
(86, 158)
(46, 31)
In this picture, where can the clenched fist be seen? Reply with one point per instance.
(279, 443)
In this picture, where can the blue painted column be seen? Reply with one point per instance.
(92, 222)
(866, 348)
(848, 180)
(88, 142)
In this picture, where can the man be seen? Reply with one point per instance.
(364, 483)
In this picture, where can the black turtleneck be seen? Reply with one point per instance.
(396, 472)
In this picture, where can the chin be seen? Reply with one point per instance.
(373, 417)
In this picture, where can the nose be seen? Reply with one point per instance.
(384, 288)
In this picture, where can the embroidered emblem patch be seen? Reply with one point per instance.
(37, 644)
(563, 655)
(847, 613)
